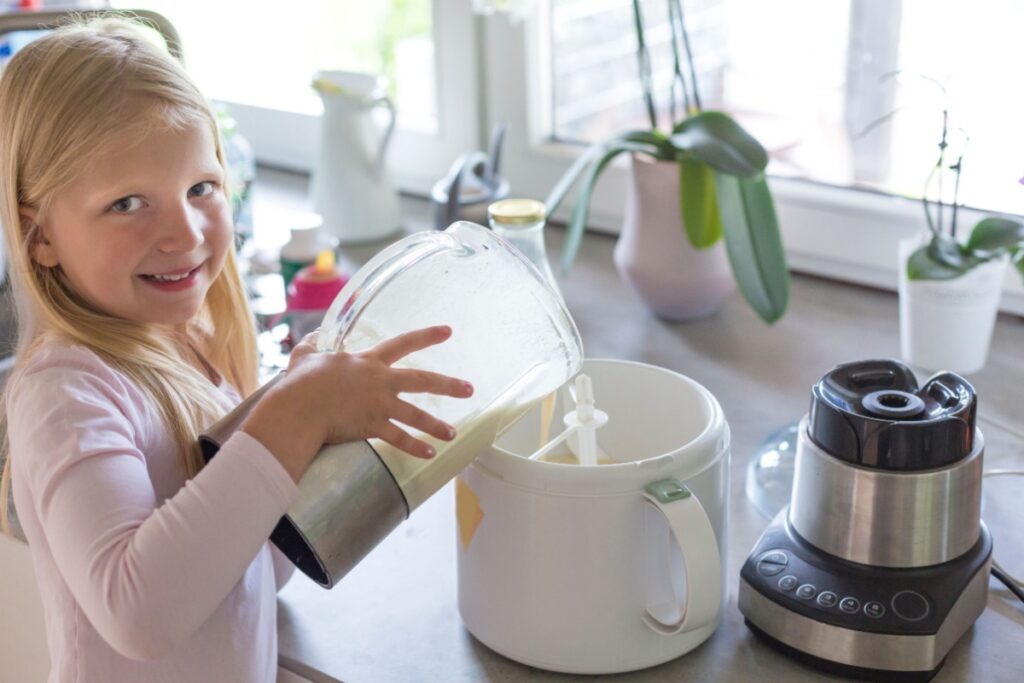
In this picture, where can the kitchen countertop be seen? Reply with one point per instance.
(394, 617)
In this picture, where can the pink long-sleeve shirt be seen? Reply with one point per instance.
(144, 576)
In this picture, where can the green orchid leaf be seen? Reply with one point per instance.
(565, 183)
(666, 151)
(922, 265)
(1018, 261)
(955, 255)
(942, 259)
(581, 210)
(698, 202)
(753, 242)
(995, 234)
(721, 143)
(641, 138)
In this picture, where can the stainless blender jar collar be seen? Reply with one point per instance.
(880, 562)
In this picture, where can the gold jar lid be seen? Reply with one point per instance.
(516, 211)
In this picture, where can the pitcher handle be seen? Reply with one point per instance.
(689, 524)
(453, 185)
(384, 101)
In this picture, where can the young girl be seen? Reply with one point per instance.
(134, 335)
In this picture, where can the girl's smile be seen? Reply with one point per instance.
(173, 281)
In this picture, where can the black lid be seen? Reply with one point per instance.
(872, 413)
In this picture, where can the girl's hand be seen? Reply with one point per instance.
(340, 397)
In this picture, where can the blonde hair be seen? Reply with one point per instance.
(62, 97)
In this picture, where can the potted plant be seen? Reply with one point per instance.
(949, 287)
(693, 187)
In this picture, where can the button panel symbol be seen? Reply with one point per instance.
(910, 605)
(873, 609)
(806, 592)
(849, 605)
(828, 599)
(772, 563)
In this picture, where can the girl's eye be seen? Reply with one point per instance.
(201, 189)
(126, 205)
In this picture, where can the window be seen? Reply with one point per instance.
(814, 82)
(809, 79)
(262, 62)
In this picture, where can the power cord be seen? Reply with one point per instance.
(1012, 582)
(1007, 581)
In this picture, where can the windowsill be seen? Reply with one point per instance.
(817, 223)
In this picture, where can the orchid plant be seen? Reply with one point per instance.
(722, 188)
(945, 257)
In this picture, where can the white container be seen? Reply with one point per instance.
(947, 324)
(351, 187)
(307, 239)
(581, 569)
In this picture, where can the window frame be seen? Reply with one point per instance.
(838, 233)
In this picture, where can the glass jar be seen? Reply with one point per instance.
(521, 223)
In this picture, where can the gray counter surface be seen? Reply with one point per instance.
(394, 617)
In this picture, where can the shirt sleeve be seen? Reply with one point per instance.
(283, 568)
(147, 577)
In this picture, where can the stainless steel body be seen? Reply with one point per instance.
(861, 649)
(885, 518)
(347, 503)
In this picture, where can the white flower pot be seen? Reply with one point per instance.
(947, 324)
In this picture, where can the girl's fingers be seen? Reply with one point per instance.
(424, 382)
(306, 345)
(400, 439)
(393, 350)
(410, 415)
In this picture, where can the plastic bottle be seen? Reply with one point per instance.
(311, 293)
(307, 241)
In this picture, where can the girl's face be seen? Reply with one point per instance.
(143, 231)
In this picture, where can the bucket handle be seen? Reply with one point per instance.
(691, 528)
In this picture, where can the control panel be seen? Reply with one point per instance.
(789, 571)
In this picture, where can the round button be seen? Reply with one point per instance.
(828, 599)
(849, 605)
(772, 563)
(806, 592)
(873, 609)
(910, 605)
(788, 582)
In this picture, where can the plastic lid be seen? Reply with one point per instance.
(307, 237)
(872, 413)
(516, 211)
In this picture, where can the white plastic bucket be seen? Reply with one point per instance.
(583, 569)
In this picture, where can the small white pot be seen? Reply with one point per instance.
(947, 324)
(582, 569)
